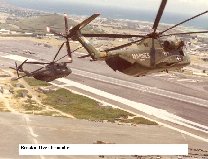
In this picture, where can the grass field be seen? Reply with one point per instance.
(79, 106)
(33, 82)
(31, 105)
(21, 93)
(82, 107)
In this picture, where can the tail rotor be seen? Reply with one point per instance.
(67, 38)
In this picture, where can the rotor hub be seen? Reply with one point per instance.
(153, 35)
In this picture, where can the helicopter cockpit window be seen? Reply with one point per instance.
(181, 44)
(169, 45)
(174, 46)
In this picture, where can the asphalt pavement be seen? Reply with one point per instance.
(181, 106)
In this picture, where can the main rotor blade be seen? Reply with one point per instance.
(87, 21)
(82, 24)
(71, 53)
(113, 35)
(54, 32)
(124, 45)
(32, 73)
(20, 66)
(192, 32)
(58, 51)
(68, 49)
(184, 21)
(20, 77)
(38, 63)
(159, 14)
(66, 24)
(17, 69)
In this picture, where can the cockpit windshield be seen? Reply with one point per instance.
(172, 46)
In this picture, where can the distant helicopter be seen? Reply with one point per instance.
(151, 53)
(48, 73)
(54, 69)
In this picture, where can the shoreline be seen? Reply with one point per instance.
(127, 17)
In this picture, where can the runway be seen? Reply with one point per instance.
(166, 98)
(18, 129)
(142, 88)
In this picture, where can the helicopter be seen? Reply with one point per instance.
(48, 73)
(151, 53)
(54, 69)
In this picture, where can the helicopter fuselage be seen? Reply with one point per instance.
(147, 56)
(139, 61)
(138, 69)
(52, 71)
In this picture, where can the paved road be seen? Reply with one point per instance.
(179, 100)
(178, 96)
(18, 129)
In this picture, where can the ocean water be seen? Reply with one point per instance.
(111, 12)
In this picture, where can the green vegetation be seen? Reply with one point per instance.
(38, 24)
(21, 93)
(13, 83)
(16, 84)
(139, 120)
(33, 82)
(31, 105)
(82, 107)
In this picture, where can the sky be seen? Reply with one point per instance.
(173, 6)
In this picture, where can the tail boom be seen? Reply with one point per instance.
(95, 54)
